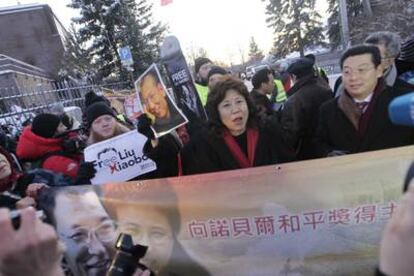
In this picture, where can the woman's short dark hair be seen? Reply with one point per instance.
(217, 95)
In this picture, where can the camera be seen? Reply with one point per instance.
(127, 256)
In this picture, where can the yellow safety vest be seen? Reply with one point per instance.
(202, 93)
(121, 117)
(281, 93)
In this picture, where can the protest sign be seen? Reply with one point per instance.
(181, 80)
(317, 217)
(132, 107)
(120, 158)
(157, 103)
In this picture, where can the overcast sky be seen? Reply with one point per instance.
(222, 27)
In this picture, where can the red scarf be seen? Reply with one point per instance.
(238, 154)
(9, 181)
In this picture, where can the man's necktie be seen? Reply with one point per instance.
(362, 106)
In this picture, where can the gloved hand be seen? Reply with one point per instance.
(144, 126)
(73, 146)
(86, 172)
(69, 146)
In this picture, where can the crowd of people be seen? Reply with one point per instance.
(282, 119)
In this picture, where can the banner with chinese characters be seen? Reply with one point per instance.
(317, 217)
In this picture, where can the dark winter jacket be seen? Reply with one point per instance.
(32, 147)
(300, 113)
(262, 103)
(337, 132)
(402, 87)
(164, 155)
(17, 182)
(208, 153)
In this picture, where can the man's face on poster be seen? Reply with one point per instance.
(154, 97)
(149, 227)
(87, 231)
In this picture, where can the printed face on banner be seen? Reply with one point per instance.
(151, 228)
(157, 103)
(120, 158)
(154, 225)
(87, 231)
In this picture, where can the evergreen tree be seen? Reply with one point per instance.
(76, 60)
(387, 15)
(296, 23)
(255, 54)
(106, 25)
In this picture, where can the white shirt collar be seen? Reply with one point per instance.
(367, 99)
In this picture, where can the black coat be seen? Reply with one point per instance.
(164, 155)
(262, 103)
(336, 132)
(300, 113)
(208, 153)
(402, 87)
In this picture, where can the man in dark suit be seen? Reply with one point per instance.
(263, 85)
(357, 120)
(389, 45)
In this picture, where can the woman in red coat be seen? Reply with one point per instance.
(39, 143)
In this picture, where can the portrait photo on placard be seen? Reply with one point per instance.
(157, 103)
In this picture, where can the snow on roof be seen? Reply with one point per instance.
(6, 57)
(21, 8)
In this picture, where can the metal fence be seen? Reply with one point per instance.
(19, 104)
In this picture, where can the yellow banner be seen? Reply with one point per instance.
(319, 217)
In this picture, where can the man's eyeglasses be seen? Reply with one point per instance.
(347, 72)
(108, 230)
(105, 232)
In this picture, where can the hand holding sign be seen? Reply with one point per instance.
(120, 158)
(144, 126)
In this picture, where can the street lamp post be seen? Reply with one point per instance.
(344, 23)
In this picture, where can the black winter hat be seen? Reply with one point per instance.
(301, 67)
(200, 62)
(91, 97)
(45, 125)
(98, 109)
(216, 70)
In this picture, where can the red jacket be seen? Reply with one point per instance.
(32, 147)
